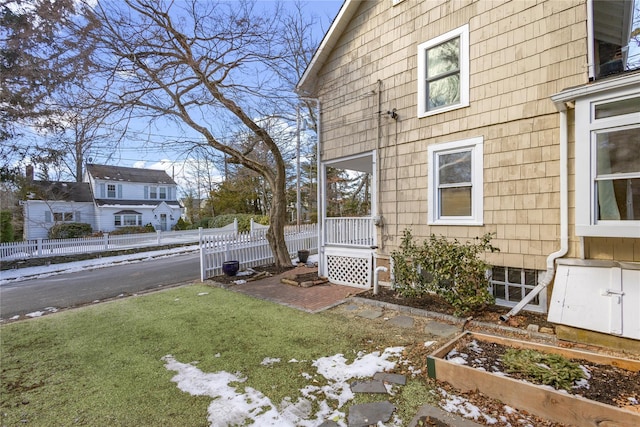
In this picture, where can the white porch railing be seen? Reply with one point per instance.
(251, 248)
(350, 231)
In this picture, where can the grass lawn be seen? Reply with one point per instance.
(102, 364)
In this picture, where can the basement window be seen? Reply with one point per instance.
(510, 285)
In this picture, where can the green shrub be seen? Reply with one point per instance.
(542, 368)
(182, 225)
(451, 269)
(244, 221)
(6, 227)
(133, 229)
(69, 230)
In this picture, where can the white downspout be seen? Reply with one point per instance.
(564, 221)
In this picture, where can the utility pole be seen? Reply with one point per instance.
(298, 166)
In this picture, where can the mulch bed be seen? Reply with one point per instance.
(490, 314)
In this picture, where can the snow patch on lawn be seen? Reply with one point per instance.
(231, 406)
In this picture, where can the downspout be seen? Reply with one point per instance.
(378, 220)
(564, 221)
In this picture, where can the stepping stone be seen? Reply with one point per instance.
(371, 314)
(441, 329)
(444, 417)
(329, 424)
(402, 321)
(369, 386)
(365, 414)
(351, 307)
(390, 378)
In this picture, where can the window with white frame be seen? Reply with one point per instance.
(63, 216)
(127, 219)
(455, 182)
(111, 191)
(158, 193)
(510, 285)
(443, 72)
(608, 165)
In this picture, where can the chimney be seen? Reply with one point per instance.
(29, 172)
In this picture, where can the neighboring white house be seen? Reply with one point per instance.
(109, 198)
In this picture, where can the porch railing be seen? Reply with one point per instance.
(350, 231)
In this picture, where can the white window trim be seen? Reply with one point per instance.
(463, 33)
(121, 216)
(476, 146)
(115, 191)
(585, 130)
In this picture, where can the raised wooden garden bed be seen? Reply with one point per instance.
(542, 401)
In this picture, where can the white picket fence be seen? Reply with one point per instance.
(60, 247)
(251, 249)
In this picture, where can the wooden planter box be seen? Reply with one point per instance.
(542, 401)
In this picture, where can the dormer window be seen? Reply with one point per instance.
(111, 191)
(157, 193)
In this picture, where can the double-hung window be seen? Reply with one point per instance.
(63, 216)
(111, 191)
(608, 164)
(455, 182)
(443, 72)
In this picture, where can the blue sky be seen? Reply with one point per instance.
(133, 152)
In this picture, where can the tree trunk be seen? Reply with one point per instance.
(278, 219)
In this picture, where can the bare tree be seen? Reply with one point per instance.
(83, 131)
(201, 64)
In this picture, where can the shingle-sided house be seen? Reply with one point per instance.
(109, 197)
(519, 118)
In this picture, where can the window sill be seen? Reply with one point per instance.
(628, 229)
(467, 222)
(422, 114)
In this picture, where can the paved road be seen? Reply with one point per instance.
(73, 289)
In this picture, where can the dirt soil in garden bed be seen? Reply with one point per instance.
(603, 383)
(266, 270)
(434, 303)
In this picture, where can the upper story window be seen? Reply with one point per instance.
(455, 182)
(608, 164)
(157, 193)
(111, 191)
(443, 73)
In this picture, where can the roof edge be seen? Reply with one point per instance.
(328, 42)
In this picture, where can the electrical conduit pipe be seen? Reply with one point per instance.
(375, 278)
(564, 221)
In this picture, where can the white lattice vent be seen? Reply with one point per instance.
(349, 270)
